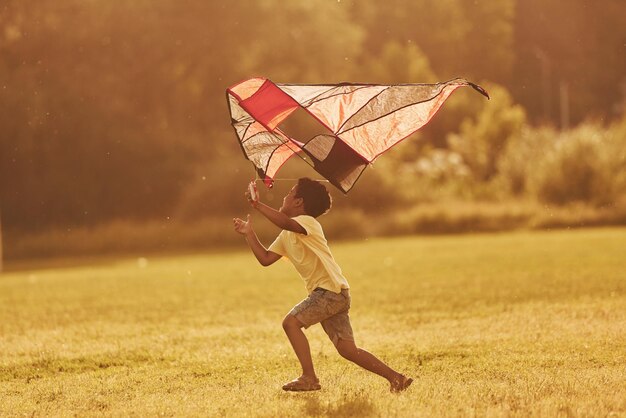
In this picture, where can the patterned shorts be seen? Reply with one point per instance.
(328, 308)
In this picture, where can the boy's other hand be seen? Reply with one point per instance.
(241, 226)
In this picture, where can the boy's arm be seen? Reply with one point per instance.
(278, 218)
(262, 254)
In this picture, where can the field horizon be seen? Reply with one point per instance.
(496, 324)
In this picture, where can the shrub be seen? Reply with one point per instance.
(520, 156)
(582, 165)
(375, 192)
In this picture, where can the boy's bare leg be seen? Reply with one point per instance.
(300, 344)
(368, 361)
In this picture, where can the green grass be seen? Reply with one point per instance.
(515, 324)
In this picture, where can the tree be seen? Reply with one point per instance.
(481, 141)
(459, 38)
(112, 119)
(1, 251)
(579, 46)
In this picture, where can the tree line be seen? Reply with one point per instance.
(115, 110)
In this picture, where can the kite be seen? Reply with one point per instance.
(356, 122)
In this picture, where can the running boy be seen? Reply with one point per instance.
(302, 241)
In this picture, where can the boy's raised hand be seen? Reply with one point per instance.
(252, 194)
(241, 226)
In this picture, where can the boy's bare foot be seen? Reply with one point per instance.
(400, 383)
(302, 384)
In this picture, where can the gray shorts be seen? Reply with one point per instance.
(328, 308)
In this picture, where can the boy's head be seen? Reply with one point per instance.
(308, 195)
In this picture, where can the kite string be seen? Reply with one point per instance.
(293, 179)
(257, 178)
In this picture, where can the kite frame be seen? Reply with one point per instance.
(229, 92)
(267, 180)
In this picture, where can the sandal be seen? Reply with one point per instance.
(302, 384)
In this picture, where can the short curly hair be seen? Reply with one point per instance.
(315, 196)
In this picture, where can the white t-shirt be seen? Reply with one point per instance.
(311, 256)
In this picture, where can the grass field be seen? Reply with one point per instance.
(515, 324)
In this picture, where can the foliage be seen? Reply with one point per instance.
(440, 212)
(396, 62)
(452, 33)
(375, 193)
(481, 142)
(217, 190)
(103, 124)
(586, 165)
(516, 164)
(284, 42)
(577, 52)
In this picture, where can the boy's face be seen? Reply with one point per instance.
(291, 202)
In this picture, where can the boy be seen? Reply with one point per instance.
(302, 241)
